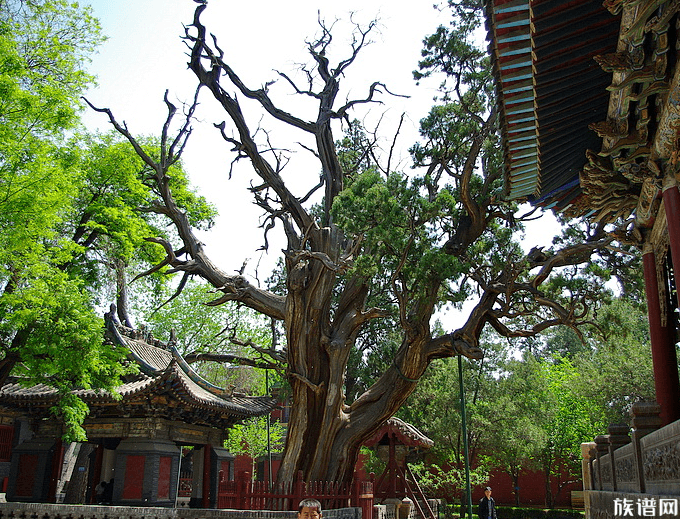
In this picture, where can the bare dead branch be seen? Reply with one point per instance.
(301, 255)
(394, 141)
(178, 291)
(235, 287)
(357, 44)
(201, 52)
(572, 255)
(259, 95)
(298, 90)
(454, 344)
(312, 191)
(314, 387)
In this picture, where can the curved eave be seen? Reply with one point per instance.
(160, 370)
(191, 388)
(405, 433)
(549, 89)
(172, 380)
(193, 394)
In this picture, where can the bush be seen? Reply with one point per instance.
(505, 512)
(453, 511)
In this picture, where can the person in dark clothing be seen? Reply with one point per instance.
(487, 506)
(107, 497)
(100, 491)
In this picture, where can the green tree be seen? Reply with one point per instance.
(582, 385)
(383, 245)
(53, 276)
(48, 331)
(513, 428)
(254, 439)
(73, 208)
(435, 409)
(617, 371)
(570, 419)
(228, 345)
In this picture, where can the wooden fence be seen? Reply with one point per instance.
(246, 494)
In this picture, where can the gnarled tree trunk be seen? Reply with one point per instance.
(325, 307)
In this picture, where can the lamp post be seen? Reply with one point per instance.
(468, 489)
(269, 437)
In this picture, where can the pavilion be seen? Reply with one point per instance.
(393, 442)
(135, 442)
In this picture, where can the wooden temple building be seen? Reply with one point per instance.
(134, 448)
(589, 103)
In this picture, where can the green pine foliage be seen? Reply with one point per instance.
(532, 409)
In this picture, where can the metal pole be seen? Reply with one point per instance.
(468, 489)
(269, 446)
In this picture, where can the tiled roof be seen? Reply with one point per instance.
(550, 89)
(406, 433)
(160, 370)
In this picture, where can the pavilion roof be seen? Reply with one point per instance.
(405, 433)
(161, 370)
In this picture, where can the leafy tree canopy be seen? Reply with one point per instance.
(73, 207)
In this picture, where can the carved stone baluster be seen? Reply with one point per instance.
(604, 474)
(645, 419)
(618, 437)
(588, 455)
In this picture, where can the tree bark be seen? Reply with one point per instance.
(515, 486)
(549, 502)
(76, 490)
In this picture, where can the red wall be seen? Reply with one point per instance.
(531, 490)
(531, 485)
(134, 477)
(243, 463)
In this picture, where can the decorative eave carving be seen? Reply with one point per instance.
(614, 6)
(615, 62)
(648, 203)
(624, 176)
(607, 129)
(606, 194)
(660, 23)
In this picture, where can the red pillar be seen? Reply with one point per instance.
(671, 203)
(96, 476)
(55, 470)
(392, 462)
(664, 359)
(206, 476)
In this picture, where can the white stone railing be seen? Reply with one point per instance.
(634, 471)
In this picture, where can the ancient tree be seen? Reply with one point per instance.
(381, 245)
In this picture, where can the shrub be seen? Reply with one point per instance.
(537, 513)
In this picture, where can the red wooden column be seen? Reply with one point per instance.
(55, 470)
(96, 476)
(671, 204)
(206, 476)
(664, 358)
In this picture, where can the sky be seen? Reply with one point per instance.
(144, 56)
